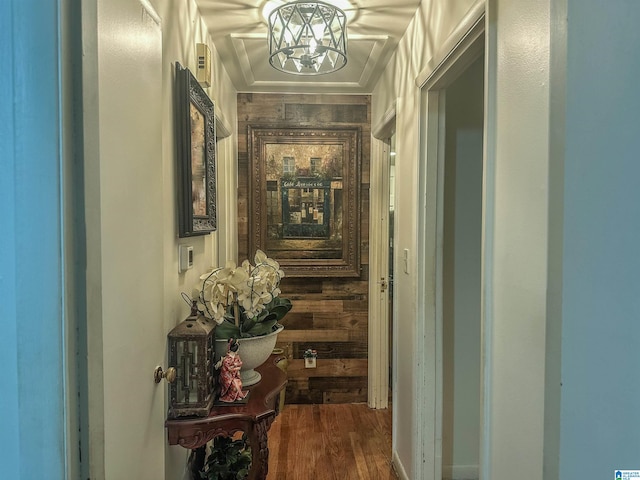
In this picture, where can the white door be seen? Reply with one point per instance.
(380, 281)
(122, 105)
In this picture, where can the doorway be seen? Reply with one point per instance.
(450, 343)
(390, 267)
(461, 274)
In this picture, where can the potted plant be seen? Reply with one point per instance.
(245, 302)
(229, 459)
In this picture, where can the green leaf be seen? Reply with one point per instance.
(263, 328)
(227, 330)
(279, 307)
(247, 325)
(262, 324)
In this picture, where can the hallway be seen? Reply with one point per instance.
(351, 442)
(89, 170)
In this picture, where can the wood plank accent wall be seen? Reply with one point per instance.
(329, 315)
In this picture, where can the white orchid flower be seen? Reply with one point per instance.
(249, 287)
(260, 257)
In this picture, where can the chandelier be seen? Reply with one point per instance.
(307, 38)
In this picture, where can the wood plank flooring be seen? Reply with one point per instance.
(331, 442)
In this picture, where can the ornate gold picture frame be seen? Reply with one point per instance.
(304, 199)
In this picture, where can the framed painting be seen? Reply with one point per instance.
(304, 197)
(196, 154)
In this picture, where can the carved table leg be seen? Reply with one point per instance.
(263, 447)
(260, 448)
(196, 461)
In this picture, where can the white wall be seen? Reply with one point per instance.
(515, 250)
(130, 175)
(562, 97)
(560, 254)
(182, 29)
(430, 27)
(516, 238)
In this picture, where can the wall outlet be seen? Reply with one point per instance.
(310, 357)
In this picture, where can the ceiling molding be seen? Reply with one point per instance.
(243, 58)
(468, 32)
(239, 35)
(223, 127)
(377, 57)
(380, 47)
(387, 124)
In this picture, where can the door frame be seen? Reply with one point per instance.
(460, 50)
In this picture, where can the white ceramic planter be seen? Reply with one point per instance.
(254, 352)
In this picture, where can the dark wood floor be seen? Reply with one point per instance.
(331, 442)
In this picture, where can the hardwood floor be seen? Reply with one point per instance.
(331, 442)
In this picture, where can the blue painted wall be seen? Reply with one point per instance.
(600, 403)
(31, 272)
(8, 347)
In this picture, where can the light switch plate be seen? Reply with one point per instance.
(405, 260)
(185, 257)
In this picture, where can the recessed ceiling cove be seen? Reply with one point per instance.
(239, 30)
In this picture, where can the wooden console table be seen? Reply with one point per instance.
(254, 418)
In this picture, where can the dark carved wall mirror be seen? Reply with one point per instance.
(304, 197)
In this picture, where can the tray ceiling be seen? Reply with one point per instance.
(239, 32)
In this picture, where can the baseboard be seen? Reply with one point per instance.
(460, 472)
(398, 467)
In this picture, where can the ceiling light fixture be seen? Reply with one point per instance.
(307, 38)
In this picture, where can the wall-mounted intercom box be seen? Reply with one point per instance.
(203, 70)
